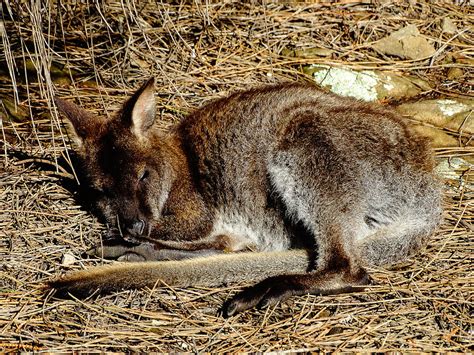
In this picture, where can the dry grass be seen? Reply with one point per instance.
(97, 55)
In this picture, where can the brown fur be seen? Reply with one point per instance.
(266, 170)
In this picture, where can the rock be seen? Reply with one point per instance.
(437, 117)
(60, 74)
(16, 113)
(438, 137)
(445, 113)
(366, 85)
(462, 57)
(448, 26)
(452, 168)
(406, 43)
(346, 82)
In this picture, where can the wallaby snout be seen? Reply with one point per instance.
(136, 228)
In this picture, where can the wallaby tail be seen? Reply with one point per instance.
(398, 241)
(207, 271)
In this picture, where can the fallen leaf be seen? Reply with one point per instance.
(16, 113)
(448, 26)
(455, 73)
(68, 259)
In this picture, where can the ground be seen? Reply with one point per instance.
(96, 55)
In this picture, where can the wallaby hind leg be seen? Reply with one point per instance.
(275, 289)
(341, 261)
(337, 271)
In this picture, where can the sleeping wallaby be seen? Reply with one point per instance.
(286, 185)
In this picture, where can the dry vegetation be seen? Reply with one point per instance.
(96, 55)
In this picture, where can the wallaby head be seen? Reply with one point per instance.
(128, 164)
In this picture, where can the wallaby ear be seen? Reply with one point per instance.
(140, 110)
(84, 123)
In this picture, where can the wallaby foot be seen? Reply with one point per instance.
(278, 288)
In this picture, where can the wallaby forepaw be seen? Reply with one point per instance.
(121, 250)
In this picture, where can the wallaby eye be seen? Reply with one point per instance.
(144, 175)
(96, 188)
(99, 191)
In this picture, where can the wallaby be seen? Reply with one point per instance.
(287, 185)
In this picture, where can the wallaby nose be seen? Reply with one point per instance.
(137, 228)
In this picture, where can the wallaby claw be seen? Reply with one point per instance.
(131, 257)
(267, 293)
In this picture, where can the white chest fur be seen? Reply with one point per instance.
(255, 233)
